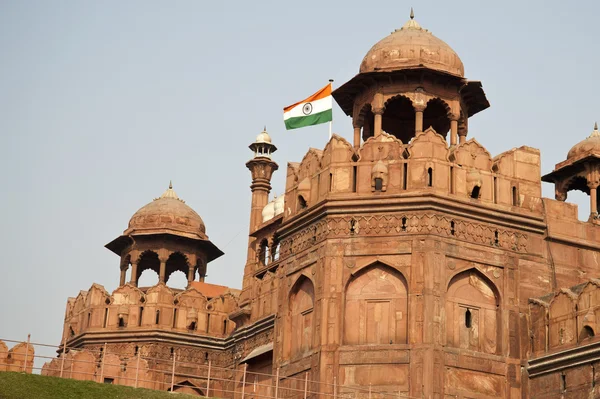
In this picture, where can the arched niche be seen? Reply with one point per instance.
(300, 317)
(562, 328)
(436, 117)
(376, 307)
(399, 118)
(588, 310)
(473, 313)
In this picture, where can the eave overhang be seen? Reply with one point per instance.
(119, 244)
(472, 91)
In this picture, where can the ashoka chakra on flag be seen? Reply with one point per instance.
(311, 111)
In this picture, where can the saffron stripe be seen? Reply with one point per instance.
(324, 92)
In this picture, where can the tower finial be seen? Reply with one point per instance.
(170, 185)
(412, 13)
(596, 126)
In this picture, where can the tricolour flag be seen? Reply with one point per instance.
(311, 111)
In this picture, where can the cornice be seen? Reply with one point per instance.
(416, 201)
(174, 338)
(566, 358)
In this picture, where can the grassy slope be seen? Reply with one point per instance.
(30, 386)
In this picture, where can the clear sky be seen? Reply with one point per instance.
(103, 102)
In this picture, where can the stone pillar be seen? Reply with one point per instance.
(593, 203)
(462, 138)
(419, 119)
(134, 268)
(378, 116)
(123, 274)
(163, 270)
(191, 274)
(454, 130)
(356, 137)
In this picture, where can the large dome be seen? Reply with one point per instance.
(589, 144)
(167, 214)
(412, 47)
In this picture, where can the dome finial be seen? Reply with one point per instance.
(170, 184)
(595, 133)
(265, 128)
(411, 24)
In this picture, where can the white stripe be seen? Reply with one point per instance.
(320, 105)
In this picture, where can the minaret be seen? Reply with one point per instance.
(262, 168)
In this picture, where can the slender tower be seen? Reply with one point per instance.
(262, 168)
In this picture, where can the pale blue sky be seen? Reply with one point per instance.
(102, 103)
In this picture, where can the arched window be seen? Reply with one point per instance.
(300, 325)
(376, 307)
(475, 192)
(378, 184)
(429, 177)
(301, 203)
(586, 333)
(472, 313)
(157, 319)
(515, 196)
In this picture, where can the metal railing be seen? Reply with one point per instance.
(174, 373)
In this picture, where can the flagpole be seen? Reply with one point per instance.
(331, 121)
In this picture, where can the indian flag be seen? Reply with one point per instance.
(311, 111)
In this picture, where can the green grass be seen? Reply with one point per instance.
(33, 386)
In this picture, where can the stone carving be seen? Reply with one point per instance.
(395, 224)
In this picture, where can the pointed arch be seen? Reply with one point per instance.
(147, 260)
(177, 261)
(436, 115)
(399, 118)
(300, 323)
(376, 306)
(473, 312)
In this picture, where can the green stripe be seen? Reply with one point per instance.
(309, 120)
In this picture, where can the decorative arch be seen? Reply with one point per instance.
(437, 116)
(366, 120)
(562, 327)
(399, 118)
(177, 261)
(300, 323)
(473, 312)
(147, 260)
(376, 307)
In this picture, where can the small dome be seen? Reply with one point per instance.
(589, 144)
(412, 47)
(268, 211)
(167, 214)
(263, 137)
(279, 202)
